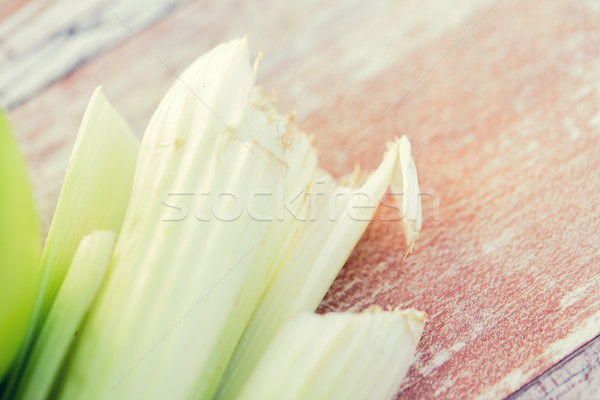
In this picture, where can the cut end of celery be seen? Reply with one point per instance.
(337, 355)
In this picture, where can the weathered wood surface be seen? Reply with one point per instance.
(60, 35)
(505, 130)
(576, 377)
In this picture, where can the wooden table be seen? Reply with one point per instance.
(501, 100)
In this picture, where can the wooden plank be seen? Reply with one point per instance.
(505, 131)
(44, 40)
(576, 377)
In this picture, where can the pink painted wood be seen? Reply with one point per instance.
(501, 101)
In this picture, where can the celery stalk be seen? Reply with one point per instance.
(94, 196)
(95, 191)
(180, 292)
(337, 356)
(318, 254)
(191, 264)
(19, 249)
(68, 310)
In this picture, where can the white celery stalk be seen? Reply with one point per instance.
(95, 190)
(182, 286)
(68, 310)
(319, 252)
(337, 356)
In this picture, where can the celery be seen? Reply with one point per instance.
(19, 249)
(70, 306)
(199, 286)
(180, 292)
(317, 255)
(95, 191)
(94, 196)
(337, 356)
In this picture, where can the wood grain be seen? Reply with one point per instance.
(576, 377)
(505, 130)
(44, 40)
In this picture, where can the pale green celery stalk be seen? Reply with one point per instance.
(94, 196)
(68, 310)
(408, 184)
(95, 191)
(337, 356)
(19, 249)
(184, 281)
(319, 252)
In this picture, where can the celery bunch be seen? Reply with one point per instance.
(188, 266)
